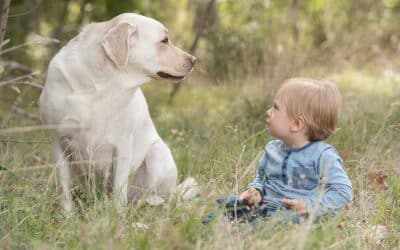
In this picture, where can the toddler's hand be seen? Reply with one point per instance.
(299, 206)
(252, 197)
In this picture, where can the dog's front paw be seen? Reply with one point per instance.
(155, 200)
(188, 189)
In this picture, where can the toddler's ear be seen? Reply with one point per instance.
(298, 124)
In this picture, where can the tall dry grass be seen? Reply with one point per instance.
(216, 134)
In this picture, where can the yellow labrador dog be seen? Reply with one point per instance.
(93, 98)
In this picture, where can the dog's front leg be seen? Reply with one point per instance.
(64, 177)
(122, 167)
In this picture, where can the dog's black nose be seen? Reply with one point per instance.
(192, 60)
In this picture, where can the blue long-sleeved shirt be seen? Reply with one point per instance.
(313, 173)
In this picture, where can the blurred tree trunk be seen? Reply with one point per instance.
(5, 6)
(294, 18)
(82, 13)
(205, 18)
(61, 20)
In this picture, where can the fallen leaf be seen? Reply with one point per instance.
(140, 226)
(378, 179)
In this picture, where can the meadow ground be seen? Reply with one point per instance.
(216, 134)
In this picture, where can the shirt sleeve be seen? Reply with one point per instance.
(335, 190)
(258, 182)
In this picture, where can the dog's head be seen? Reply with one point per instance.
(137, 43)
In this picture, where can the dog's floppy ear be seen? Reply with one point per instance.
(117, 41)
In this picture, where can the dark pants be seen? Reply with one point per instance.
(235, 209)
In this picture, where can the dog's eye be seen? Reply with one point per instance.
(165, 40)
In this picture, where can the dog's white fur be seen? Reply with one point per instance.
(92, 95)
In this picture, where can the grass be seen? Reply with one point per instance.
(215, 134)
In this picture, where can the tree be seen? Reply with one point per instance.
(204, 24)
(5, 6)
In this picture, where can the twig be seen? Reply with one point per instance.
(5, 7)
(28, 83)
(40, 40)
(4, 43)
(26, 12)
(38, 167)
(255, 135)
(14, 48)
(52, 166)
(39, 127)
(12, 81)
(26, 141)
(239, 160)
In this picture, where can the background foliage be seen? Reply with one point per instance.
(239, 37)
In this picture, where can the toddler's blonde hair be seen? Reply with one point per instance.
(317, 101)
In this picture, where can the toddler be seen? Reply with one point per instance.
(299, 174)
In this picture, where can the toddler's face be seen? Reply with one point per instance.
(278, 121)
